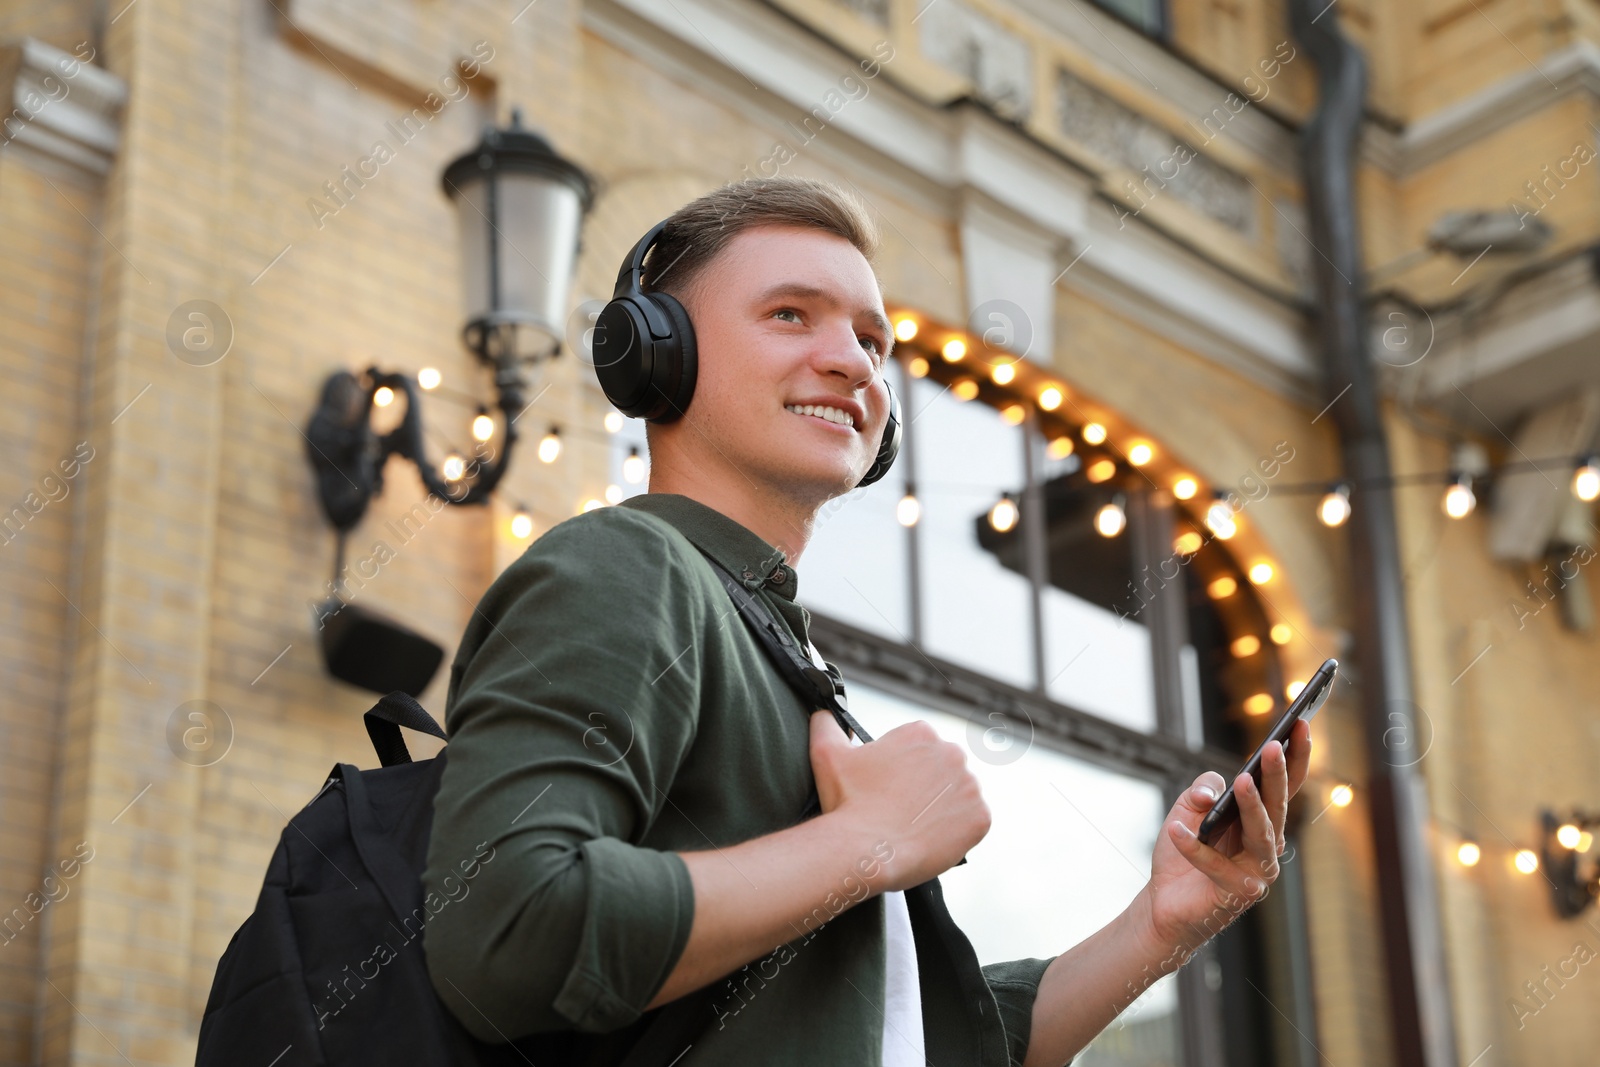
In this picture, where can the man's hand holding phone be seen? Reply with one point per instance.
(1218, 852)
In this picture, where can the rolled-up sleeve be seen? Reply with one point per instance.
(1015, 985)
(573, 701)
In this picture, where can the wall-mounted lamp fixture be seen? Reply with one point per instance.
(1570, 860)
(520, 207)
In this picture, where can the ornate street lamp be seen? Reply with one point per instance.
(521, 208)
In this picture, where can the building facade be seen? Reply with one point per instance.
(209, 209)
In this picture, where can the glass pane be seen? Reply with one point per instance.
(1145, 14)
(855, 567)
(976, 610)
(1068, 848)
(538, 233)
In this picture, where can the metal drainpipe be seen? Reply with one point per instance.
(1423, 1032)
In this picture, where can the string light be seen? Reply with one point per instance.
(1335, 507)
(909, 510)
(1002, 373)
(905, 329)
(482, 426)
(1585, 840)
(633, 466)
(429, 377)
(1586, 479)
(1526, 861)
(1013, 413)
(591, 504)
(965, 389)
(1141, 453)
(613, 494)
(953, 350)
(1003, 516)
(1094, 433)
(1258, 703)
(1469, 853)
(1050, 397)
(453, 467)
(1061, 447)
(1458, 499)
(1341, 795)
(522, 524)
(918, 367)
(1281, 634)
(613, 421)
(1187, 543)
(1185, 488)
(1220, 520)
(1222, 588)
(1101, 470)
(1294, 688)
(1110, 519)
(550, 445)
(1261, 573)
(1568, 834)
(383, 396)
(1248, 645)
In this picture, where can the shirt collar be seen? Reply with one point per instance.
(730, 543)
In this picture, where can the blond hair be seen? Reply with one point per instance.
(698, 232)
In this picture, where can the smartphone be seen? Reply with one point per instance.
(1225, 812)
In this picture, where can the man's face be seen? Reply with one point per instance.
(787, 317)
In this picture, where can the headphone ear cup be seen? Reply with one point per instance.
(889, 446)
(679, 365)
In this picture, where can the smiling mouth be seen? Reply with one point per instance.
(830, 415)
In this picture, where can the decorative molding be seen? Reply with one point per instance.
(998, 63)
(59, 105)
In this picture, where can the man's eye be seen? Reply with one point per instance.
(876, 346)
(788, 311)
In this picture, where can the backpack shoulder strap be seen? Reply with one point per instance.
(820, 686)
(384, 719)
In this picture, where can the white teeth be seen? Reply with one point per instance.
(831, 414)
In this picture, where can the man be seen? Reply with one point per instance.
(639, 767)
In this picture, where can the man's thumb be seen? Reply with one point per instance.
(825, 731)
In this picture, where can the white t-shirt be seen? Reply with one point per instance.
(902, 997)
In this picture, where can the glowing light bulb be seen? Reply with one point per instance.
(1585, 840)
(1101, 470)
(1013, 413)
(1140, 454)
(1458, 499)
(1050, 397)
(1282, 632)
(965, 389)
(522, 526)
(550, 446)
(1248, 645)
(1002, 373)
(1294, 688)
(1187, 543)
(1185, 488)
(908, 511)
(429, 377)
(1003, 516)
(383, 396)
(613, 493)
(1526, 861)
(918, 367)
(1586, 480)
(613, 421)
(1110, 519)
(905, 329)
(1222, 588)
(633, 466)
(482, 427)
(1094, 433)
(1220, 520)
(1261, 573)
(1061, 447)
(1568, 835)
(1258, 703)
(453, 468)
(1469, 853)
(1341, 795)
(592, 503)
(953, 350)
(1335, 507)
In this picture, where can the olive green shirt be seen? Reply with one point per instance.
(607, 709)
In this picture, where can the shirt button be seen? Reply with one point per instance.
(749, 573)
(778, 577)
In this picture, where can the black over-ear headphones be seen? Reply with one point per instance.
(646, 360)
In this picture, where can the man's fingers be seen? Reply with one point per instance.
(1200, 797)
(1224, 872)
(1259, 839)
(1299, 754)
(1275, 786)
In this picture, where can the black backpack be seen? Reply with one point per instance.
(329, 968)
